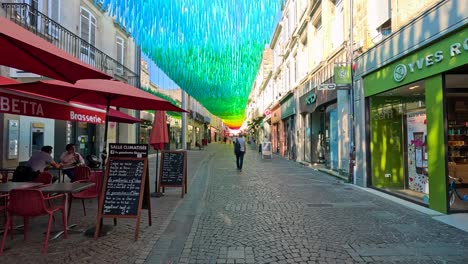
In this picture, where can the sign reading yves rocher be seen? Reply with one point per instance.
(124, 187)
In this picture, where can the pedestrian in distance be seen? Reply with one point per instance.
(239, 150)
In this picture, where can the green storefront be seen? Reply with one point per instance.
(417, 111)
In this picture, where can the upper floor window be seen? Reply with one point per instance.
(304, 57)
(88, 35)
(318, 42)
(383, 31)
(120, 54)
(28, 15)
(292, 18)
(302, 7)
(379, 19)
(54, 14)
(338, 25)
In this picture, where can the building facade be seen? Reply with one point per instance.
(85, 31)
(308, 118)
(411, 103)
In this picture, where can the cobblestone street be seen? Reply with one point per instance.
(273, 211)
(277, 211)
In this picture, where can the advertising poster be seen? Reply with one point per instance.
(417, 152)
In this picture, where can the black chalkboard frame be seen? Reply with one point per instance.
(143, 188)
(183, 184)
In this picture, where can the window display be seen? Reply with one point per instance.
(399, 142)
(417, 151)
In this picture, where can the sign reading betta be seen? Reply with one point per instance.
(25, 104)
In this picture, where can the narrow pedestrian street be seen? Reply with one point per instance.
(273, 211)
(277, 211)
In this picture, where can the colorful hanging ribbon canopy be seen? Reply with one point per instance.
(211, 48)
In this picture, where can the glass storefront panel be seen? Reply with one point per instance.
(398, 136)
(333, 139)
(457, 137)
(307, 137)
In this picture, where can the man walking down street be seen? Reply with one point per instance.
(239, 150)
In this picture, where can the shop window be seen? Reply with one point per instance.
(398, 144)
(457, 135)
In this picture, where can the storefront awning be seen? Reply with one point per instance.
(30, 104)
(23, 50)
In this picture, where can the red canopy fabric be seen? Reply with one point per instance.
(23, 50)
(159, 134)
(98, 91)
(30, 104)
(116, 115)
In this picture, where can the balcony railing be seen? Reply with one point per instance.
(43, 26)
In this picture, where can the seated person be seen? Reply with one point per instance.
(39, 162)
(70, 159)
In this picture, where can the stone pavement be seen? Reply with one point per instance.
(117, 247)
(277, 211)
(273, 211)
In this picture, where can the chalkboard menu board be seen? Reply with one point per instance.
(125, 184)
(173, 170)
(124, 187)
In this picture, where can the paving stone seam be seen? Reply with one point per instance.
(185, 257)
(147, 250)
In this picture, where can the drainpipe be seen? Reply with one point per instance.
(184, 120)
(138, 85)
(351, 146)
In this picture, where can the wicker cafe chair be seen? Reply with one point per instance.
(30, 203)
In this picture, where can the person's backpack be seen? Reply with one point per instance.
(237, 146)
(24, 174)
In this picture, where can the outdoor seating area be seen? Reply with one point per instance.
(75, 103)
(25, 203)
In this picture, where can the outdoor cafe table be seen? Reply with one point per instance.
(7, 187)
(67, 188)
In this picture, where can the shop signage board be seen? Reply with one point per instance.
(29, 105)
(125, 184)
(173, 170)
(288, 107)
(342, 76)
(326, 87)
(448, 53)
(266, 150)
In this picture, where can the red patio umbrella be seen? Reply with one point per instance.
(159, 136)
(23, 50)
(117, 116)
(98, 91)
(30, 104)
